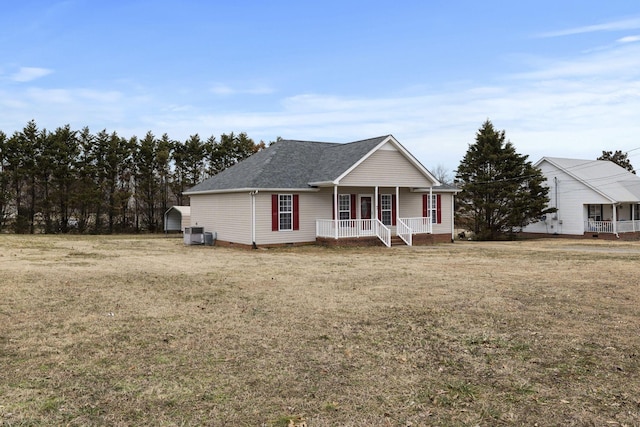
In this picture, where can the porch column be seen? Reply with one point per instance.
(335, 210)
(397, 203)
(633, 217)
(615, 218)
(430, 209)
(375, 203)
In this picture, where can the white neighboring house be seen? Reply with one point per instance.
(592, 198)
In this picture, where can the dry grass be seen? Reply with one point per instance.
(144, 331)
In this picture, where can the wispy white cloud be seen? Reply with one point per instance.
(619, 25)
(629, 39)
(27, 74)
(619, 61)
(574, 107)
(222, 89)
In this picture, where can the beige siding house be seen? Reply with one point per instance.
(294, 192)
(593, 198)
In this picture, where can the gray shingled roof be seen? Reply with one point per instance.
(290, 164)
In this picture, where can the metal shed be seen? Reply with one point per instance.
(176, 218)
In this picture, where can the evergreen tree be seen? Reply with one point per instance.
(619, 157)
(501, 190)
(147, 182)
(4, 181)
(163, 163)
(87, 195)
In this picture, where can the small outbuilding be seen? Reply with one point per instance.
(176, 218)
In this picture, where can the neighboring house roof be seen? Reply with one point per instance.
(603, 176)
(291, 164)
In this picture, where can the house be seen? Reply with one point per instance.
(176, 218)
(593, 198)
(296, 192)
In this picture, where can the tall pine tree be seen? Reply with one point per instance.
(501, 190)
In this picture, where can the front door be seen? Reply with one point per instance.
(365, 211)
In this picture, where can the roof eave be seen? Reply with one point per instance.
(435, 189)
(250, 190)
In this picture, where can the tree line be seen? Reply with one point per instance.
(76, 181)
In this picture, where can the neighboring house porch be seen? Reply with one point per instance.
(612, 218)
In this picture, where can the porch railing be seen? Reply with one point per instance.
(383, 232)
(353, 228)
(404, 231)
(607, 226)
(419, 225)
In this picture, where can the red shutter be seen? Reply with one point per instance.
(439, 209)
(275, 224)
(393, 209)
(353, 206)
(296, 212)
(425, 205)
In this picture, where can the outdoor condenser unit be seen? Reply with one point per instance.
(194, 235)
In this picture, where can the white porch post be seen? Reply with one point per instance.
(633, 217)
(397, 203)
(430, 209)
(615, 218)
(335, 210)
(375, 203)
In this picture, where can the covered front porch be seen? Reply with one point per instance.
(612, 218)
(381, 213)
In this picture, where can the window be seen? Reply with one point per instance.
(433, 209)
(595, 212)
(386, 207)
(285, 212)
(344, 206)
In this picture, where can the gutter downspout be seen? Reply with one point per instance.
(453, 218)
(253, 218)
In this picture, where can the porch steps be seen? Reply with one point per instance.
(397, 241)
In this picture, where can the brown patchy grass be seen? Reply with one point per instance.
(144, 331)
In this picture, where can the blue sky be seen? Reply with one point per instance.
(562, 78)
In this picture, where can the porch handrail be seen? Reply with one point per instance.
(345, 228)
(404, 232)
(627, 226)
(623, 226)
(383, 232)
(598, 226)
(419, 225)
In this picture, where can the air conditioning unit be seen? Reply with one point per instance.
(194, 235)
